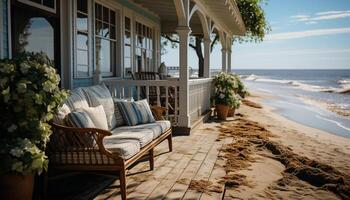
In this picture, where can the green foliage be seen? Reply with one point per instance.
(29, 97)
(225, 86)
(241, 90)
(254, 19)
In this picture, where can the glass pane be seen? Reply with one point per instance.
(127, 66)
(98, 27)
(113, 57)
(82, 70)
(49, 3)
(82, 22)
(82, 6)
(127, 23)
(113, 34)
(103, 54)
(127, 37)
(36, 1)
(37, 35)
(112, 17)
(98, 11)
(139, 41)
(105, 14)
(105, 31)
(82, 57)
(127, 51)
(82, 41)
(138, 51)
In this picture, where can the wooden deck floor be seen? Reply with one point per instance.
(194, 157)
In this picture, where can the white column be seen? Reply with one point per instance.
(224, 59)
(184, 118)
(229, 64)
(206, 70)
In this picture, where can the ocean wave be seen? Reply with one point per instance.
(344, 81)
(343, 89)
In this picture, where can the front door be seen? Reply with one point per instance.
(36, 28)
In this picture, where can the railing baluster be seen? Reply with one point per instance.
(147, 93)
(138, 92)
(158, 96)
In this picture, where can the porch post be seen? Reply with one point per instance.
(229, 54)
(184, 118)
(224, 59)
(206, 71)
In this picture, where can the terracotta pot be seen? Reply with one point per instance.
(222, 111)
(231, 112)
(16, 187)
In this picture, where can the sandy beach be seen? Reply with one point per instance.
(293, 162)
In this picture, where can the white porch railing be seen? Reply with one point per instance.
(200, 94)
(164, 93)
(158, 92)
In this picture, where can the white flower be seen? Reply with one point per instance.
(17, 166)
(24, 68)
(12, 128)
(221, 96)
(16, 152)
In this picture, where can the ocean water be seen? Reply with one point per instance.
(305, 96)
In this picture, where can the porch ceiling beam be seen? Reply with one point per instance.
(182, 12)
(168, 27)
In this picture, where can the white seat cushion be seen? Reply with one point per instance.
(97, 116)
(156, 128)
(126, 148)
(143, 136)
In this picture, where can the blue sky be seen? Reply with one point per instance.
(306, 34)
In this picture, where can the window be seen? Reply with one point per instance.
(48, 5)
(144, 47)
(82, 40)
(106, 40)
(127, 47)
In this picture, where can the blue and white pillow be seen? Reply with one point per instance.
(136, 112)
(79, 120)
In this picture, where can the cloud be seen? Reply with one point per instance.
(321, 16)
(307, 33)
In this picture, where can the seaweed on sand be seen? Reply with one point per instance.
(249, 136)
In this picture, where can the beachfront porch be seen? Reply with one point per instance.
(194, 158)
(93, 42)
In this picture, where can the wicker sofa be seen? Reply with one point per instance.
(92, 149)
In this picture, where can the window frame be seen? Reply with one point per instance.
(75, 41)
(41, 6)
(116, 73)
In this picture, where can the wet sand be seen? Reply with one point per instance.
(272, 157)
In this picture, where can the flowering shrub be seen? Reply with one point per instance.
(29, 97)
(240, 89)
(225, 85)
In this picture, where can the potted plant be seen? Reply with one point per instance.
(236, 102)
(224, 94)
(29, 96)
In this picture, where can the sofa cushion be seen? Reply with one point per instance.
(143, 136)
(137, 112)
(157, 128)
(79, 120)
(118, 115)
(76, 99)
(61, 114)
(125, 147)
(97, 116)
(99, 95)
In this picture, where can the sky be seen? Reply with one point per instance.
(306, 34)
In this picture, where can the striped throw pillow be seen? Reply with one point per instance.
(118, 115)
(79, 120)
(136, 112)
